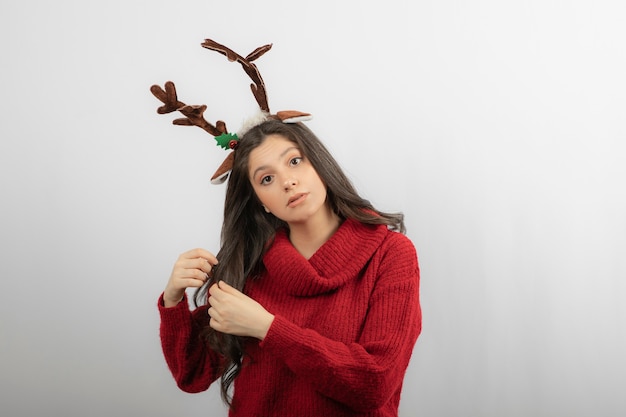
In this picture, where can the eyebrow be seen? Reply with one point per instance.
(283, 153)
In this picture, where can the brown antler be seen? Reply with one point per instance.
(258, 86)
(194, 115)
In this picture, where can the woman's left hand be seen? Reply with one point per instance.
(235, 313)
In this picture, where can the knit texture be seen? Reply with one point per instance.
(346, 322)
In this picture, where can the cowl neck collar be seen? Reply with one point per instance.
(338, 260)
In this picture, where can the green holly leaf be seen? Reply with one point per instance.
(224, 139)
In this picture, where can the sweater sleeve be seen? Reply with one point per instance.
(366, 374)
(193, 365)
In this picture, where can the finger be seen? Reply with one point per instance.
(180, 280)
(218, 296)
(228, 289)
(215, 292)
(190, 282)
(204, 265)
(197, 258)
(192, 274)
(221, 291)
(181, 285)
(202, 253)
(214, 324)
(195, 263)
(214, 314)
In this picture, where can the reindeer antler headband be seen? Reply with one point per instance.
(194, 114)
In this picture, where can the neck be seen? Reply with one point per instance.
(308, 237)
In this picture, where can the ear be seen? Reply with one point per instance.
(265, 208)
(222, 172)
(293, 116)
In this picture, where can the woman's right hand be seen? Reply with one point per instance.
(191, 269)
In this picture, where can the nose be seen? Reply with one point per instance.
(290, 183)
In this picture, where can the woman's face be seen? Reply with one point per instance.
(285, 181)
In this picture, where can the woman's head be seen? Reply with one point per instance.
(245, 188)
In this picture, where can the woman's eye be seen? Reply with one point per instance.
(266, 180)
(295, 161)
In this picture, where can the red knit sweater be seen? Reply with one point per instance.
(346, 322)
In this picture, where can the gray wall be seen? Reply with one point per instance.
(496, 126)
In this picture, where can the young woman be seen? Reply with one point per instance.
(311, 307)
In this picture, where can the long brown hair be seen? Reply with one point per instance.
(248, 230)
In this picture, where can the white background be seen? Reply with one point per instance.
(496, 126)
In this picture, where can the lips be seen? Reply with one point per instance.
(296, 199)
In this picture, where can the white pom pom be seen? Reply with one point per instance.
(252, 121)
